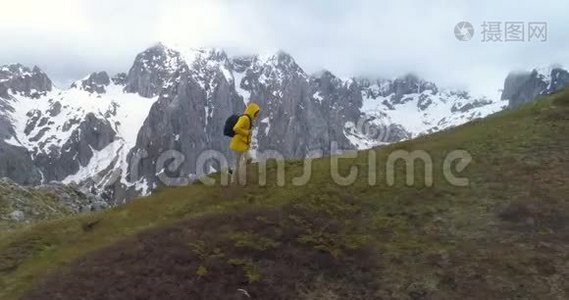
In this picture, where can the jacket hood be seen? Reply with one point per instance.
(251, 109)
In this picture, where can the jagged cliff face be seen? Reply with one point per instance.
(187, 119)
(295, 119)
(334, 102)
(15, 160)
(118, 135)
(19, 79)
(522, 87)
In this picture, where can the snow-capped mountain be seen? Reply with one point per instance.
(417, 107)
(120, 135)
(521, 87)
(70, 135)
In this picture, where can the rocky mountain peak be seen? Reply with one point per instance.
(151, 69)
(410, 84)
(396, 89)
(325, 74)
(285, 62)
(242, 63)
(119, 79)
(281, 57)
(205, 58)
(215, 54)
(523, 86)
(16, 70)
(374, 87)
(198, 57)
(28, 204)
(20, 79)
(94, 83)
(326, 77)
(559, 78)
(277, 71)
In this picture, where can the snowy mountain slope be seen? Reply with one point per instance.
(408, 107)
(126, 112)
(427, 112)
(74, 134)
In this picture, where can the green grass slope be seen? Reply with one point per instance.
(503, 236)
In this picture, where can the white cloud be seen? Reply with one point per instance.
(69, 38)
(50, 17)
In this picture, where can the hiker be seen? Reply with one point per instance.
(241, 139)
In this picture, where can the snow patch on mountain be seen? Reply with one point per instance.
(100, 162)
(428, 111)
(45, 124)
(13, 141)
(544, 73)
(318, 97)
(238, 79)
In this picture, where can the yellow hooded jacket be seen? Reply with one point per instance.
(241, 141)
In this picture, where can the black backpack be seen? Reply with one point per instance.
(230, 123)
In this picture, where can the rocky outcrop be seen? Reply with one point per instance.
(19, 79)
(94, 83)
(92, 134)
(559, 79)
(21, 204)
(409, 84)
(522, 87)
(15, 160)
(119, 79)
(333, 102)
(466, 106)
(16, 163)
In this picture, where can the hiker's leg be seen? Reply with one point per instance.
(242, 173)
(236, 166)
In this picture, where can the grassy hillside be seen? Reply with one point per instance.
(503, 236)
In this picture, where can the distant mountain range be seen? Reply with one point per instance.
(109, 133)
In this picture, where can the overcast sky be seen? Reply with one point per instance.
(71, 38)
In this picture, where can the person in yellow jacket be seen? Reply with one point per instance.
(241, 141)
